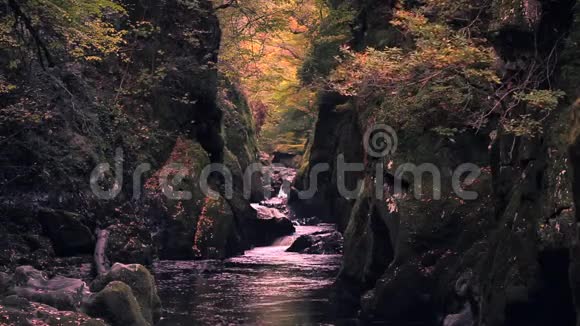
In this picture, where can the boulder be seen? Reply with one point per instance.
(68, 235)
(178, 218)
(265, 212)
(60, 292)
(142, 285)
(302, 243)
(117, 304)
(318, 244)
(218, 234)
(267, 230)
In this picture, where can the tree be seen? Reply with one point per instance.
(264, 44)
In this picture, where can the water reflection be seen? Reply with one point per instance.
(266, 286)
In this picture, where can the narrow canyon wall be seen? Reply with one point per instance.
(503, 259)
(157, 101)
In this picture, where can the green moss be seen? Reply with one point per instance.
(215, 229)
(141, 283)
(238, 124)
(117, 305)
(333, 32)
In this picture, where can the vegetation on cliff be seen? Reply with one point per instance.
(264, 45)
(146, 89)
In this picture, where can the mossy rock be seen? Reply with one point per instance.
(238, 123)
(117, 304)
(180, 216)
(142, 285)
(216, 235)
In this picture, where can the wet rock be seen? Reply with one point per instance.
(310, 221)
(267, 230)
(302, 243)
(177, 239)
(318, 244)
(280, 178)
(60, 292)
(117, 304)
(268, 212)
(463, 284)
(279, 203)
(142, 285)
(217, 234)
(66, 232)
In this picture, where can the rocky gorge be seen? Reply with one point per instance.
(506, 258)
(111, 113)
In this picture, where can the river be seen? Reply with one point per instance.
(265, 286)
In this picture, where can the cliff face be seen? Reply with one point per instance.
(502, 259)
(154, 101)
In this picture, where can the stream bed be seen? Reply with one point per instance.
(266, 286)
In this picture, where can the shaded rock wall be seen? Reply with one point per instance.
(161, 92)
(502, 259)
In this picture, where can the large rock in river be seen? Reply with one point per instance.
(142, 287)
(270, 225)
(117, 304)
(318, 244)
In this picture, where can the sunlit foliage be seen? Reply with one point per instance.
(264, 43)
(444, 78)
(81, 29)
